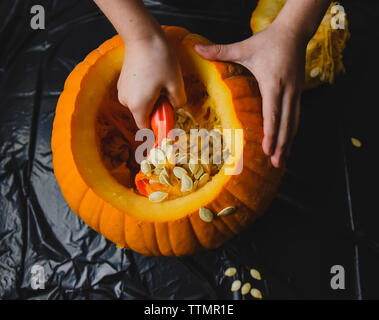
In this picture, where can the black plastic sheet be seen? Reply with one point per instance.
(310, 226)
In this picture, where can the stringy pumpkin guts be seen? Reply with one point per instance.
(115, 129)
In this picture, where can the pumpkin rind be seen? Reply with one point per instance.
(251, 191)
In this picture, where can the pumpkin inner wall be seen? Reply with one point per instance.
(96, 90)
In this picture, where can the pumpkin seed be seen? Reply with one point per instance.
(356, 143)
(151, 181)
(193, 167)
(158, 171)
(158, 196)
(255, 274)
(236, 285)
(187, 183)
(165, 143)
(315, 72)
(164, 171)
(199, 173)
(205, 214)
(164, 179)
(203, 179)
(230, 272)
(226, 211)
(195, 185)
(256, 293)
(170, 154)
(179, 172)
(145, 167)
(245, 288)
(157, 157)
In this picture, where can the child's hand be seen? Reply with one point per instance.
(276, 57)
(150, 69)
(277, 61)
(150, 66)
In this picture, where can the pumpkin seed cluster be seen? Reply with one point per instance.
(189, 165)
(165, 164)
(246, 287)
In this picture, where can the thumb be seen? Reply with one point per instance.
(222, 52)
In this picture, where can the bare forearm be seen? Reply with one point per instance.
(301, 17)
(130, 18)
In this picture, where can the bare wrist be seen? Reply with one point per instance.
(294, 32)
(145, 31)
(300, 19)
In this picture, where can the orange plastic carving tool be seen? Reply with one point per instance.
(162, 121)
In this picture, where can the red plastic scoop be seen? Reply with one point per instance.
(162, 121)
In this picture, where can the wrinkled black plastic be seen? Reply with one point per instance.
(307, 229)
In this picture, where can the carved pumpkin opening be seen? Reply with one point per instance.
(101, 126)
(194, 155)
(115, 131)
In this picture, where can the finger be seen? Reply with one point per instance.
(271, 100)
(142, 109)
(177, 95)
(222, 52)
(295, 120)
(142, 119)
(288, 107)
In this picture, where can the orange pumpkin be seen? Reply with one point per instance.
(107, 200)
